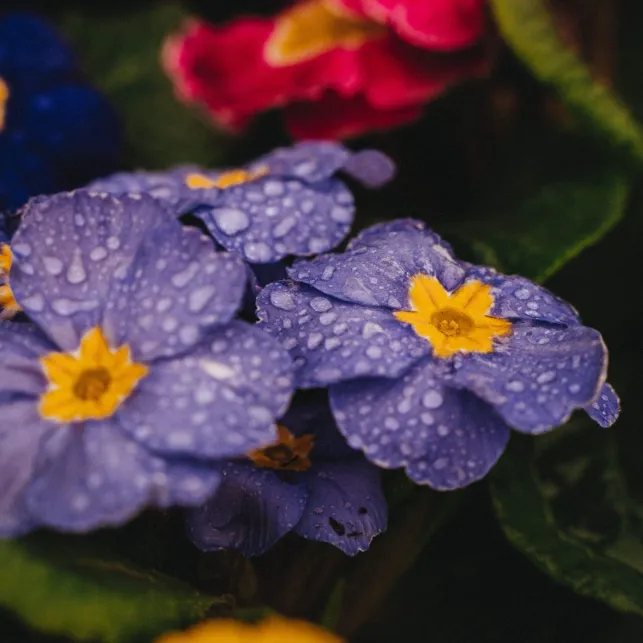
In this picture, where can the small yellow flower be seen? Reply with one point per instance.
(90, 384)
(287, 453)
(275, 629)
(453, 322)
(8, 302)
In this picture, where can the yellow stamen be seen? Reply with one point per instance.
(4, 98)
(287, 453)
(91, 384)
(311, 28)
(453, 322)
(196, 181)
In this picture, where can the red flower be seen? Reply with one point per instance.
(338, 67)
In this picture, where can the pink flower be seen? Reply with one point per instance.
(337, 67)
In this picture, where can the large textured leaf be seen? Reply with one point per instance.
(61, 585)
(528, 27)
(552, 197)
(120, 52)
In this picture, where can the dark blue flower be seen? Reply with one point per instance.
(55, 131)
(285, 203)
(310, 483)
(429, 360)
(133, 378)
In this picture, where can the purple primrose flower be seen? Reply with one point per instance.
(287, 202)
(430, 361)
(309, 482)
(133, 378)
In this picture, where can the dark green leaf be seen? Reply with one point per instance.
(554, 197)
(528, 27)
(573, 500)
(61, 585)
(121, 55)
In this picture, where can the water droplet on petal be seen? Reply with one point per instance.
(231, 221)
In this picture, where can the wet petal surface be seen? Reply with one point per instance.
(377, 268)
(273, 217)
(519, 298)
(91, 476)
(331, 340)
(176, 289)
(219, 401)
(539, 376)
(606, 408)
(443, 437)
(67, 252)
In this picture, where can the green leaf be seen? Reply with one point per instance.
(572, 500)
(527, 26)
(554, 197)
(63, 585)
(121, 55)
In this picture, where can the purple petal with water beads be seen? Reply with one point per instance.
(218, 401)
(443, 437)
(605, 409)
(537, 377)
(378, 265)
(332, 340)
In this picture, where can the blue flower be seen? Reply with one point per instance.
(55, 131)
(309, 482)
(285, 203)
(133, 378)
(430, 360)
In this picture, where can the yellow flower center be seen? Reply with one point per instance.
(4, 98)
(288, 452)
(91, 383)
(196, 181)
(8, 302)
(453, 322)
(313, 27)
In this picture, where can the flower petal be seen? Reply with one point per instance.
(62, 286)
(21, 346)
(221, 400)
(444, 25)
(251, 510)
(378, 265)
(92, 476)
(346, 507)
(443, 437)
(606, 408)
(167, 187)
(537, 377)
(331, 340)
(315, 161)
(226, 69)
(272, 218)
(518, 298)
(20, 435)
(176, 289)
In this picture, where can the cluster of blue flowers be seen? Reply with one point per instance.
(133, 375)
(56, 132)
